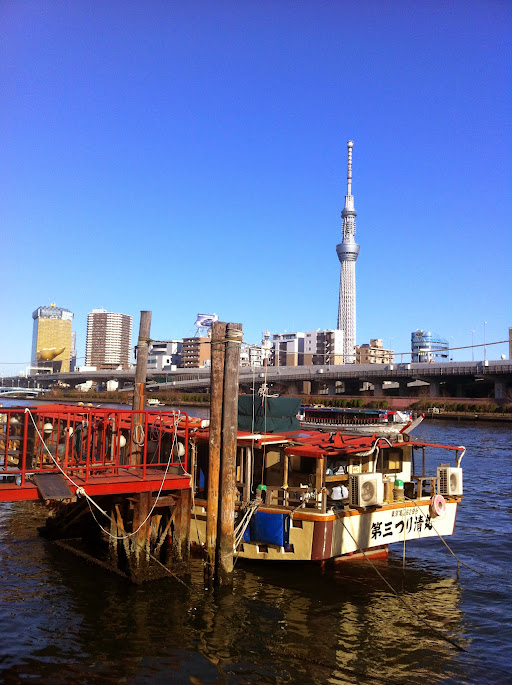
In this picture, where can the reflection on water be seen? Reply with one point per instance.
(59, 616)
(62, 620)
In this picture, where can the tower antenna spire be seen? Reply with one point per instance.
(350, 145)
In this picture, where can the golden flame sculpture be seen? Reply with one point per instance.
(49, 353)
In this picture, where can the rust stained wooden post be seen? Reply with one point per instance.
(140, 541)
(218, 338)
(228, 454)
(140, 383)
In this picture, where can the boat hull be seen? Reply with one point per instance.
(314, 536)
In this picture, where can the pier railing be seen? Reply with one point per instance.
(90, 442)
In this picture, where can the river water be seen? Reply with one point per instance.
(62, 620)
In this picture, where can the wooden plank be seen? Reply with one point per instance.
(52, 486)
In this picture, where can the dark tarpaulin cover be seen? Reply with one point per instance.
(280, 414)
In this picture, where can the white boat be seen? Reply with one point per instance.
(352, 420)
(153, 402)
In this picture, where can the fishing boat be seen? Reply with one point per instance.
(300, 495)
(312, 496)
(154, 402)
(352, 420)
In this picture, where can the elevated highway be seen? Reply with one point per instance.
(458, 379)
(455, 379)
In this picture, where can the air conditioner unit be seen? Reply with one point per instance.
(450, 480)
(366, 489)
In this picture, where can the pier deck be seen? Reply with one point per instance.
(104, 451)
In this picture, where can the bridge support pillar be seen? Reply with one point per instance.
(460, 390)
(331, 388)
(377, 388)
(403, 390)
(292, 389)
(500, 389)
(434, 388)
(352, 387)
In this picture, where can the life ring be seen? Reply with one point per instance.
(437, 506)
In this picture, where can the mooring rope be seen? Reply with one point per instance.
(446, 544)
(81, 492)
(90, 500)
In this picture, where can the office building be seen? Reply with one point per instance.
(51, 339)
(164, 355)
(428, 347)
(108, 343)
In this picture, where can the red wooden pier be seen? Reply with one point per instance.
(134, 466)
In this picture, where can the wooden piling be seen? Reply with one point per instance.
(228, 453)
(139, 396)
(218, 345)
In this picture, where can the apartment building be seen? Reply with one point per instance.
(373, 353)
(108, 343)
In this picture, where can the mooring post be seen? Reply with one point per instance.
(228, 453)
(140, 543)
(139, 399)
(218, 346)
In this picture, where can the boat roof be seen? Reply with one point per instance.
(347, 410)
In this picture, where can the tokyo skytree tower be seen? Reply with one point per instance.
(348, 251)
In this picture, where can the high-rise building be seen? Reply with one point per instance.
(72, 359)
(51, 338)
(306, 349)
(348, 251)
(108, 344)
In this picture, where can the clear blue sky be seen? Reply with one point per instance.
(189, 157)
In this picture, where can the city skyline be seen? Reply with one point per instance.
(191, 158)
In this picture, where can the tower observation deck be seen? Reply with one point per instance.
(348, 252)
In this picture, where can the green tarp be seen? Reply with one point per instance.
(268, 414)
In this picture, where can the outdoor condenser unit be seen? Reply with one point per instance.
(450, 480)
(366, 489)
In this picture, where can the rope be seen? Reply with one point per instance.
(447, 545)
(80, 491)
(240, 529)
(399, 597)
(138, 435)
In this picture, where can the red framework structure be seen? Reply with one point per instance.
(93, 448)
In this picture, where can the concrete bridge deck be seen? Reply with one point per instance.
(462, 375)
